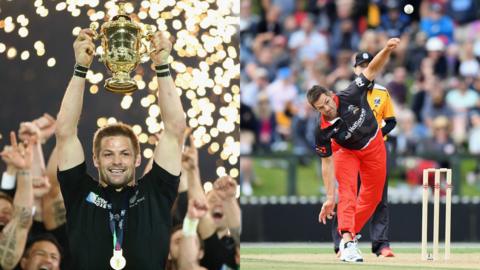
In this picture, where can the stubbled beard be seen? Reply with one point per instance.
(108, 182)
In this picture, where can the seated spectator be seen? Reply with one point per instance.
(461, 99)
(266, 132)
(397, 87)
(474, 133)
(440, 144)
(435, 104)
(307, 43)
(436, 24)
(394, 23)
(251, 90)
(436, 53)
(271, 23)
(464, 11)
(469, 66)
(409, 133)
(416, 51)
(370, 42)
(281, 93)
(344, 36)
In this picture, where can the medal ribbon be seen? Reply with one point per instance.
(118, 221)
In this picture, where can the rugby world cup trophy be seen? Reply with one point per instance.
(123, 43)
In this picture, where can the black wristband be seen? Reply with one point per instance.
(162, 67)
(80, 71)
(163, 74)
(163, 70)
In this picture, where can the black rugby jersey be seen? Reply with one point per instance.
(355, 125)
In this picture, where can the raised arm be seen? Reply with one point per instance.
(189, 245)
(380, 59)
(227, 189)
(14, 236)
(54, 213)
(30, 132)
(328, 175)
(169, 150)
(70, 151)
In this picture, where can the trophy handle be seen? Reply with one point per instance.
(144, 51)
(94, 27)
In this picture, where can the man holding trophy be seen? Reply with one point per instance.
(119, 221)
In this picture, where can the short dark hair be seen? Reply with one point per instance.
(47, 237)
(315, 92)
(6, 197)
(117, 129)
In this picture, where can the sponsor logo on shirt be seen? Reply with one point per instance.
(359, 82)
(134, 200)
(352, 108)
(321, 149)
(376, 101)
(359, 122)
(102, 203)
(96, 200)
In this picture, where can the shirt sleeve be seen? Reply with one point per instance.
(358, 87)
(75, 184)
(388, 111)
(161, 182)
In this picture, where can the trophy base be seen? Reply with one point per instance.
(120, 86)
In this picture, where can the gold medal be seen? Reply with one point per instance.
(117, 261)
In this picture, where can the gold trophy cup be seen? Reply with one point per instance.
(123, 49)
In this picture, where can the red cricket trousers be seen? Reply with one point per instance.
(354, 211)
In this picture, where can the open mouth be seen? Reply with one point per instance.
(217, 215)
(117, 171)
(3, 221)
(44, 267)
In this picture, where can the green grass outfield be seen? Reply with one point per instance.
(320, 256)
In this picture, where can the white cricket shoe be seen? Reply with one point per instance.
(349, 251)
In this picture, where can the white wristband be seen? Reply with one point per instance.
(189, 226)
(8, 181)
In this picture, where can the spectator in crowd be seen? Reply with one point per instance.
(282, 93)
(474, 134)
(461, 100)
(436, 23)
(469, 66)
(408, 135)
(440, 144)
(462, 12)
(219, 229)
(307, 43)
(16, 214)
(436, 54)
(344, 36)
(42, 252)
(416, 50)
(186, 248)
(435, 104)
(397, 86)
(394, 23)
(251, 90)
(266, 132)
(270, 23)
